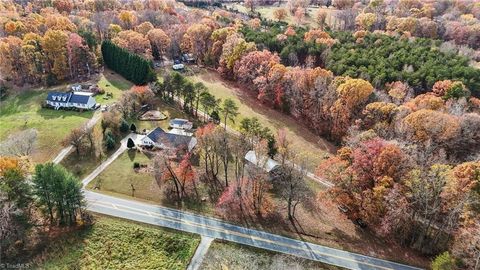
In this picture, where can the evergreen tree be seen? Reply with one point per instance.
(133, 128)
(109, 140)
(130, 143)
(123, 126)
(59, 192)
(131, 66)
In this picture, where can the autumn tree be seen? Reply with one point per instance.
(134, 42)
(233, 50)
(219, 37)
(54, 45)
(289, 182)
(16, 203)
(159, 41)
(365, 21)
(75, 139)
(11, 64)
(257, 77)
(428, 125)
(128, 18)
(196, 40)
(280, 14)
(144, 28)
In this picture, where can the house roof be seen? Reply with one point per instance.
(76, 98)
(68, 97)
(58, 97)
(178, 121)
(170, 139)
(266, 163)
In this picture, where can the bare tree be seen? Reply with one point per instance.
(289, 182)
(19, 144)
(75, 139)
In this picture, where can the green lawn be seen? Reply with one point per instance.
(113, 83)
(118, 178)
(23, 111)
(308, 144)
(225, 255)
(119, 244)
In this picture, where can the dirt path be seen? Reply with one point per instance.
(312, 146)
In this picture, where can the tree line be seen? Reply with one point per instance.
(131, 66)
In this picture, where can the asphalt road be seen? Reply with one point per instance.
(215, 228)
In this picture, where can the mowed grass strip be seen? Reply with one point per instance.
(313, 147)
(119, 244)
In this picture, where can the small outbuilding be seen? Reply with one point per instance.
(179, 123)
(266, 163)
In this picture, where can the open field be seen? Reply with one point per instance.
(24, 111)
(118, 244)
(267, 13)
(118, 178)
(224, 255)
(112, 83)
(303, 140)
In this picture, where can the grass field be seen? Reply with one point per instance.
(303, 140)
(224, 255)
(119, 244)
(23, 111)
(118, 178)
(112, 83)
(267, 13)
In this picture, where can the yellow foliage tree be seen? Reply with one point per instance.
(425, 125)
(354, 92)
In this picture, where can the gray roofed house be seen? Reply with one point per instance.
(161, 139)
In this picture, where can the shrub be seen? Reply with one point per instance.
(443, 262)
(109, 140)
(136, 165)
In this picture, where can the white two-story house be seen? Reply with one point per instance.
(79, 100)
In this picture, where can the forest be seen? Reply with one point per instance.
(391, 83)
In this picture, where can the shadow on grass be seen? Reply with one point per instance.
(50, 113)
(64, 242)
(116, 80)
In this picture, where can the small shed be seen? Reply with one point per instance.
(266, 163)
